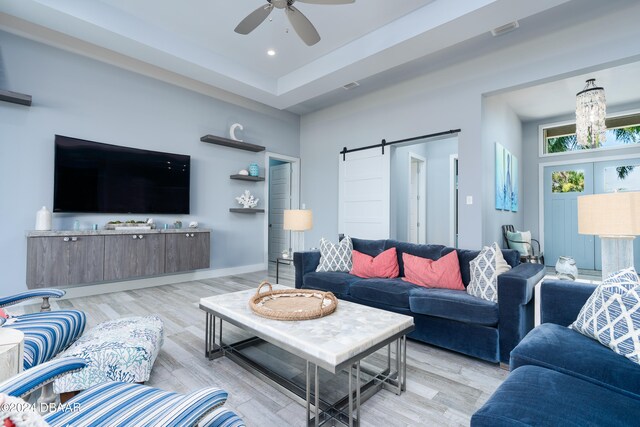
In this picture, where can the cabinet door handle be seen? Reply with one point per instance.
(191, 234)
(135, 237)
(140, 236)
(187, 235)
(66, 239)
(74, 239)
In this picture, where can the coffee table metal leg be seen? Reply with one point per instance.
(211, 349)
(398, 367)
(317, 395)
(308, 391)
(404, 362)
(358, 393)
(351, 396)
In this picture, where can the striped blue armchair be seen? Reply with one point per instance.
(124, 404)
(46, 333)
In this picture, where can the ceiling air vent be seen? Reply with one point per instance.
(504, 29)
(350, 85)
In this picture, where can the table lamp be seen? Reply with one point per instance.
(615, 217)
(298, 220)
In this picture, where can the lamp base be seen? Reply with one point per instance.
(617, 254)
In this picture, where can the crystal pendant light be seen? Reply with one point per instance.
(591, 111)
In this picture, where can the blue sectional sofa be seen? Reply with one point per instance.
(560, 377)
(446, 318)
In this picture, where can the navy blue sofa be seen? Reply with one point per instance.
(446, 318)
(560, 377)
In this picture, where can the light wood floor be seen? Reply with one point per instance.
(443, 388)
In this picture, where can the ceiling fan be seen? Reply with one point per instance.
(300, 23)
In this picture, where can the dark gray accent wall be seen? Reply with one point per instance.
(84, 98)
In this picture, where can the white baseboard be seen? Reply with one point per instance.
(105, 288)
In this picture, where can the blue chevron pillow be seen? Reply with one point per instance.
(611, 315)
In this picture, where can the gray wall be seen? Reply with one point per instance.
(531, 142)
(437, 153)
(500, 124)
(84, 98)
(452, 98)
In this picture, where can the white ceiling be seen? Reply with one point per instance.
(559, 97)
(375, 42)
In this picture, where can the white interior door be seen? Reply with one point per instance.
(363, 202)
(279, 200)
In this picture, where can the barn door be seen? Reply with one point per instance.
(364, 182)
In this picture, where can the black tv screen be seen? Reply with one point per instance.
(93, 177)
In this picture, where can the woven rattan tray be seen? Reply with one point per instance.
(292, 304)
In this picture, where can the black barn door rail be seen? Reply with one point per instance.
(384, 142)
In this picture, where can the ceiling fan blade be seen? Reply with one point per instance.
(327, 1)
(254, 19)
(303, 26)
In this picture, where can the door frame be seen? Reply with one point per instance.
(541, 166)
(295, 196)
(453, 200)
(422, 194)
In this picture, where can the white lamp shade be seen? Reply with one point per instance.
(298, 219)
(609, 214)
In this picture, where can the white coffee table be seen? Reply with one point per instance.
(335, 343)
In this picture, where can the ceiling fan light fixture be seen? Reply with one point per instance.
(300, 23)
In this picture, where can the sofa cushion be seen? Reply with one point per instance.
(335, 257)
(391, 292)
(485, 269)
(424, 251)
(534, 396)
(465, 256)
(369, 247)
(612, 314)
(454, 305)
(336, 282)
(562, 349)
(442, 273)
(384, 265)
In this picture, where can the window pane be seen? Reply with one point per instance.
(622, 178)
(567, 182)
(620, 131)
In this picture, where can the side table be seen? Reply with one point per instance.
(285, 261)
(11, 352)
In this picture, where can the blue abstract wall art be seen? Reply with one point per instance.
(506, 180)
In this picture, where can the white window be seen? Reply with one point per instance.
(622, 131)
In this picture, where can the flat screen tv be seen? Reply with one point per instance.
(92, 177)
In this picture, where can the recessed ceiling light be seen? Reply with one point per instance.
(271, 52)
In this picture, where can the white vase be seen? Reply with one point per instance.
(43, 219)
(566, 268)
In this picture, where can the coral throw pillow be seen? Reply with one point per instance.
(384, 265)
(3, 314)
(443, 273)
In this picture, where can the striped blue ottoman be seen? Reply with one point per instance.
(117, 350)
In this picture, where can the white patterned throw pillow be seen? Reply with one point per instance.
(335, 257)
(485, 269)
(611, 315)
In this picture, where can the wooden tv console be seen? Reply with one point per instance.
(68, 258)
